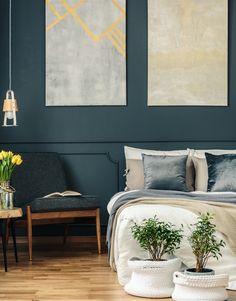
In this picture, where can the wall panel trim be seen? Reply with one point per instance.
(120, 141)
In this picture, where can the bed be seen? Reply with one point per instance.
(178, 207)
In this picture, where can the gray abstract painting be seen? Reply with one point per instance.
(85, 52)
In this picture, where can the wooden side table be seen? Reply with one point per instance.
(5, 215)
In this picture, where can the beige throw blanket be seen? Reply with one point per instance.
(224, 216)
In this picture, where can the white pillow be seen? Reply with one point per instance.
(134, 153)
(201, 168)
(134, 166)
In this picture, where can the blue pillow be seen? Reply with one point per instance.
(221, 172)
(164, 172)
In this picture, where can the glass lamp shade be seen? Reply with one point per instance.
(10, 108)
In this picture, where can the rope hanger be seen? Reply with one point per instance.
(10, 105)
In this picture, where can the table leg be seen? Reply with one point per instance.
(4, 240)
(13, 233)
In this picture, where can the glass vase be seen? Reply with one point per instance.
(6, 195)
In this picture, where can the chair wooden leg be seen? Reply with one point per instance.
(98, 230)
(29, 228)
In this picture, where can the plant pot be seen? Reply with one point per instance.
(6, 195)
(200, 287)
(192, 272)
(152, 279)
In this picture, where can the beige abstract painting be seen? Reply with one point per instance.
(187, 52)
(85, 52)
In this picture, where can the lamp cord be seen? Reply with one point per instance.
(10, 41)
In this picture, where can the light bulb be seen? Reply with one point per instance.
(9, 115)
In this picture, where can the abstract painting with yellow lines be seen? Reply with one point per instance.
(85, 52)
(187, 52)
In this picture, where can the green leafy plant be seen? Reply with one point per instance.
(204, 242)
(157, 237)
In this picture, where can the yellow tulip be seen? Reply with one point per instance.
(19, 161)
(18, 157)
(5, 154)
(10, 154)
(14, 159)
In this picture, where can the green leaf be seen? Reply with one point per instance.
(203, 241)
(157, 237)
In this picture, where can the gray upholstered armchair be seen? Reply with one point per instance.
(42, 174)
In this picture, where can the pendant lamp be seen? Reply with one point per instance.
(10, 105)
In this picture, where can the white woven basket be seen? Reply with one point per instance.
(152, 279)
(200, 288)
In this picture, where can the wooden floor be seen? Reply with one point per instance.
(62, 273)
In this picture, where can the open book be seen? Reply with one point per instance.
(64, 193)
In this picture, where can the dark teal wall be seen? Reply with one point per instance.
(91, 139)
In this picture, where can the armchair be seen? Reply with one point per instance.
(39, 175)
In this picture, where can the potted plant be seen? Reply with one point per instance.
(8, 162)
(204, 244)
(204, 284)
(153, 277)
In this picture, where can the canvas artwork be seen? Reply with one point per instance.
(85, 52)
(187, 52)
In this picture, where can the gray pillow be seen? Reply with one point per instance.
(221, 172)
(164, 172)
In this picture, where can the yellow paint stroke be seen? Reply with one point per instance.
(118, 6)
(71, 11)
(94, 37)
(112, 36)
(118, 39)
(113, 25)
(56, 13)
(121, 51)
(65, 15)
(80, 21)
(120, 33)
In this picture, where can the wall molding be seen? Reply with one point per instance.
(106, 154)
(121, 141)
